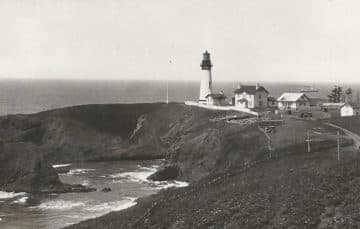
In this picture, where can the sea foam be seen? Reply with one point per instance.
(78, 171)
(61, 165)
(59, 205)
(141, 176)
(21, 200)
(10, 195)
(125, 203)
(169, 184)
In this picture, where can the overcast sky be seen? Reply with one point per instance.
(277, 40)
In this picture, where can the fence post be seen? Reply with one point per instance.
(338, 145)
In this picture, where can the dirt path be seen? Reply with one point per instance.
(351, 134)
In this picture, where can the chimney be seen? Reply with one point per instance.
(239, 86)
(257, 86)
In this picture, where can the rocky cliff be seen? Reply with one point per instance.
(31, 143)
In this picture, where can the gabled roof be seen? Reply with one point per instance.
(291, 97)
(250, 89)
(216, 96)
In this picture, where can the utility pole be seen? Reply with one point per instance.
(270, 147)
(338, 145)
(308, 141)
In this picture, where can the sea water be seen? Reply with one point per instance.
(126, 179)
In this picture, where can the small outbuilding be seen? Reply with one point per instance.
(349, 109)
(217, 99)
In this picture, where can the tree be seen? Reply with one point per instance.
(335, 95)
(349, 93)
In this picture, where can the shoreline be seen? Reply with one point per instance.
(137, 176)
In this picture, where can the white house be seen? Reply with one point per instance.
(293, 101)
(346, 110)
(249, 96)
(349, 109)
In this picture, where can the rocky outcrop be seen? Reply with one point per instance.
(24, 169)
(169, 172)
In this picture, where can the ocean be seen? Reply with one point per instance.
(126, 179)
(30, 96)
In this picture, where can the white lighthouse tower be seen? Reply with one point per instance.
(206, 81)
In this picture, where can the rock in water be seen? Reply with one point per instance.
(23, 169)
(107, 189)
(170, 172)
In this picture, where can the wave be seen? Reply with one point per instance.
(143, 173)
(21, 200)
(140, 175)
(85, 183)
(59, 205)
(104, 208)
(10, 195)
(170, 184)
(78, 171)
(61, 165)
(97, 210)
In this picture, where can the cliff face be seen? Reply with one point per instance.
(91, 132)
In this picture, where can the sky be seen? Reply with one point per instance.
(249, 40)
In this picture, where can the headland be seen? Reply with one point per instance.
(235, 179)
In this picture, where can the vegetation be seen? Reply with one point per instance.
(335, 95)
(349, 93)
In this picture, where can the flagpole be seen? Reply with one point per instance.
(167, 91)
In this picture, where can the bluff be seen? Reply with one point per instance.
(31, 143)
(234, 182)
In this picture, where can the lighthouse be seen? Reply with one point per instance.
(206, 81)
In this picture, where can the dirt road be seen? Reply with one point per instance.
(351, 134)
